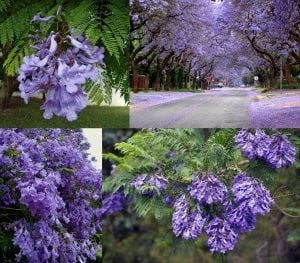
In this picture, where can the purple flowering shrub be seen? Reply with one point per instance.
(61, 64)
(48, 180)
(172, 174)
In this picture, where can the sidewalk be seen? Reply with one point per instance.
(151, 98)
(276, 109)
(277, 94)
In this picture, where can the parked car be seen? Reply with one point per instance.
(219, 85)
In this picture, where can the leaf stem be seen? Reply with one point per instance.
(14, 209)
(285, 213)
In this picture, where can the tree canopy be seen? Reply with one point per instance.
(226, 38)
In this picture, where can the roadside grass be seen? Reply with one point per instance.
(188, 90)
(175, 90)
(29, 115)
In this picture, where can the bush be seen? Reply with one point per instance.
(289, 86)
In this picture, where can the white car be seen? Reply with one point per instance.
(219, 85)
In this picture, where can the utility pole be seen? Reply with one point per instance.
(281, 73)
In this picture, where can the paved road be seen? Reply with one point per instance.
(217, 108)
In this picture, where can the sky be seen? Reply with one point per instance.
(94, 137)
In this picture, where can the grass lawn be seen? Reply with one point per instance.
(29, 115)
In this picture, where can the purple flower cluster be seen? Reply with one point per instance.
(281, 153)
(113, 203)
(185, 224)
(46, 176)
(208, 190)
(221, 236)
(251, 194)
(153, 182)
(277, 150)
(59, 68)
(223, 214)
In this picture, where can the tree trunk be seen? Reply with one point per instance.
(287, 74)
(6, 91)
(134, 71)
(9, 84)
(186, 79)
(273, 75)
(156, 83)
(168, 80)
(173, 79)
(195, 82)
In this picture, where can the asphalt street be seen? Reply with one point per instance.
(217, 108)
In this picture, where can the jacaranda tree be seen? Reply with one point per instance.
(226, 38)
(50, 197)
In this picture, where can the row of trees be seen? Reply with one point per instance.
(228, 39)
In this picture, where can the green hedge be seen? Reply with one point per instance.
(289, 86)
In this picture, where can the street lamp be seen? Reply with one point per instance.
(255, 80)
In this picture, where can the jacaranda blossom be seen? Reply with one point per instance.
(208, 189)
(221, 236)
(50, 179)
(224, 214)
(59, 68)
(156, 180)
(250, 193)
(277, 150)
(186, 224)
(281, 152)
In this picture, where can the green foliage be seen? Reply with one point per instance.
(220, 153)
(15, 21)
(116, 27)
(15, 58)
(295, 71)
(118, 74)
(6, 241)
(7, 249)
(289, 86)
(101, 90)
(4, 4)
(248, 80)
(155, 206)
(84, 17)
(294, 236)
(179, 153)
(14, 28)
(108, 23)
(260, 170)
